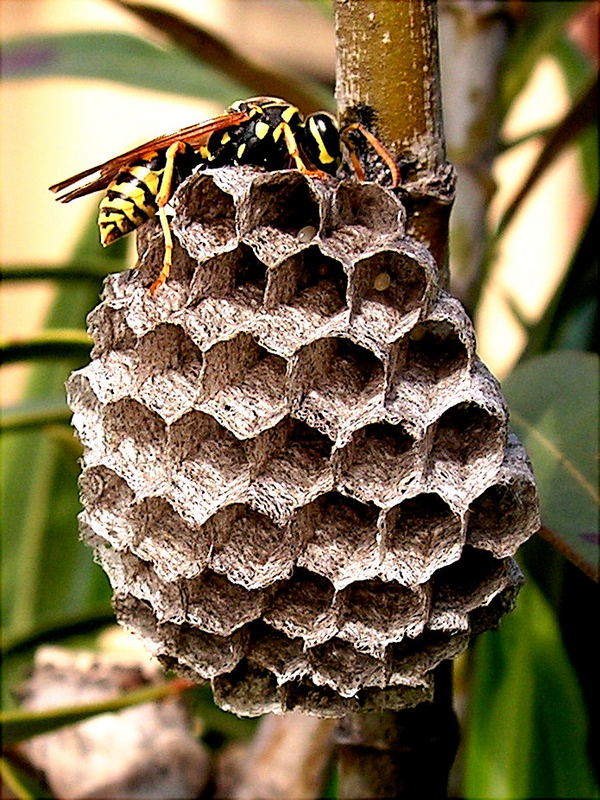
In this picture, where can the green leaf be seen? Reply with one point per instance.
(50, 343)
(526, 732)
(553, 401)
(19, 725)
(34, 414)
(116, 57)
(48, 573)
(543, 25)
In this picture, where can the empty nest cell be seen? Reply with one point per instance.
(135, 441)
(503, 516)
(467, 450)
(380, 464)
(216, 605)
(366, 206)
(303, 607)
(249, 548)
(341, 538)
(208, 467)
(334, 383)
(109, 504)
(375, 613)
(421, 535)
(168, 370)
(432, 351)
(294, 474)
(206, 216)
(246, 386)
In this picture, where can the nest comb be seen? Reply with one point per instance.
(297, 473)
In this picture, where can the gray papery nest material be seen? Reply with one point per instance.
(297, 473)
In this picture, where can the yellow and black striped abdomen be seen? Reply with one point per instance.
(130, 199)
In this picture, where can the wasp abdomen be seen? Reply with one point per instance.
(129, 200)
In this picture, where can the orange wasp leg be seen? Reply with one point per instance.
(381, 151)
(162, 198)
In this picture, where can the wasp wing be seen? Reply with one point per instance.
(194, 135)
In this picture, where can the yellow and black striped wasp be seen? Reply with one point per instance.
(264, 132)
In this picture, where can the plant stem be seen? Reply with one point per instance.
(387, 66)
(387, 63)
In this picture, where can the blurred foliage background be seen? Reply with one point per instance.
(87, 79)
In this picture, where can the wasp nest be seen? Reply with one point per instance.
(297, 473)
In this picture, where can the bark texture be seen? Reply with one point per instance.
(388, 77)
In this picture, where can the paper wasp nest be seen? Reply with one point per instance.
(297, 473)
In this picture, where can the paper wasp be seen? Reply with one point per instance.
(265, 132)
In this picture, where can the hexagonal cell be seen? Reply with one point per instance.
(375, 613)
(110, 505)
(303, 606)
(215, 605)
(421, 535)
(87, 412)
(294, 474)
(168, 369)
(247, 691)
(489, 616)
(434, 350)
(207, 654)
(135, 439)
(281, 205)
(367, 206)
(205, 218)
(506, 513)
(306, 297)
(410, 658)
(274, 651)
(322, 701)
(380, 464)
(109, 330)
(308, 280)
(341, 539)
(249, 548)
(338, 665)
(244, 385)
(469, 583)
(208, 467)
(176, 549)
(334, 384)
(130, 575)
(113, 375)
(385, 289)
(467, 449)
(237, 279)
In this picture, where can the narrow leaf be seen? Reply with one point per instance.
(19, 725)
(50, 343)
(582, 114)
(116, 57)
(526, 732)
(204, 45)
(554, 409)
(34, 414)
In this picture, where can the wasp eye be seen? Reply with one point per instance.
(321, 141)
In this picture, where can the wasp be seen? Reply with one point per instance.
(265, 132)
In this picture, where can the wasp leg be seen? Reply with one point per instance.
(379, 148)
(292, 147)
(162, 198)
